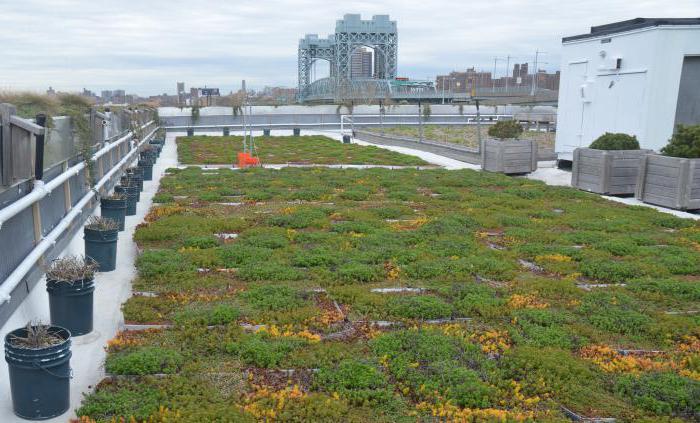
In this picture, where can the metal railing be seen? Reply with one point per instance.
(39, 214)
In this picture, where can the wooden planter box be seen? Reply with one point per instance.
(606, 171)
(513, 156)
(669, 181)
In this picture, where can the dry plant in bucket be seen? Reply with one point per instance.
(38, 336)
(99, 223)
(116, 196)
(71, 269)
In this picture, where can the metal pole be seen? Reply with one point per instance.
(493, 77)
(420, 120)
(507, 70)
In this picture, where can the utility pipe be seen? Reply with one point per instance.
(15, 278)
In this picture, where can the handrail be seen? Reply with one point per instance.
(15, 278)
(41, 190)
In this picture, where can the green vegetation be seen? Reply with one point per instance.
(617, 141)
(30, 104)
(464, 134)
(685, 142)
(506, 129)
(284, 321)
(203, 149)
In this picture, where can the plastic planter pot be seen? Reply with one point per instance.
(147, 167)
(131, 193)
(136, 174)
(101, 246)
(39, 378)
(114, 209)
(130, 181)
(266, 132)
(226, 131)
(70, 304)
(296, 132)
(149, 155)
(190, 132)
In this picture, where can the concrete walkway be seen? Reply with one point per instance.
(111, 290)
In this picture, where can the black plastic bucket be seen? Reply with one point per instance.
(101, 246)
(266, 132)
(39, 379)
(297, 132)
(190, 132)
(136, 175)
(70, 304)
(131, 193)
(226, 131)
(346, 139)
(149, 155)
(147, 167)
(114, 209)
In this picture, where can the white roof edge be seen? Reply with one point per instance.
(633, 31)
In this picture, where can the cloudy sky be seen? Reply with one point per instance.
(145, 46)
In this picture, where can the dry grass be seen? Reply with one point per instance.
(71, 269)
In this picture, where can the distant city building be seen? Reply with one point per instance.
(520, 76)
(361, 63)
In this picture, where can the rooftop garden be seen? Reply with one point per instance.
(464, 134)
(406, 295)
(203, 149)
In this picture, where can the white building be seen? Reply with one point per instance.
(640, 77)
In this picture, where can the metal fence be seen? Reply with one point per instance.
(39, 217)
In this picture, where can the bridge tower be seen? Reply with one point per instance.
(351, 32)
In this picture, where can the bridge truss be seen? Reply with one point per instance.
(351, 33)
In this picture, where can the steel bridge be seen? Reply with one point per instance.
(351, 33)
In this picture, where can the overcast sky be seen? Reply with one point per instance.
(145, 46)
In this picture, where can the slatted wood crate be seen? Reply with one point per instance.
(612, 172)
(669, 181)
(511, 156)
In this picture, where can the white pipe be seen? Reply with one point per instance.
(41, 190)
(15, 278)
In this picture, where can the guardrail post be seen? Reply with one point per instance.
(6, 111)
(66, 189)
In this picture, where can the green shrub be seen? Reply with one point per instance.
(685, 142)
(615, 141)
(144, 361)
(662, 393)
(419, 307)
(504, 129)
